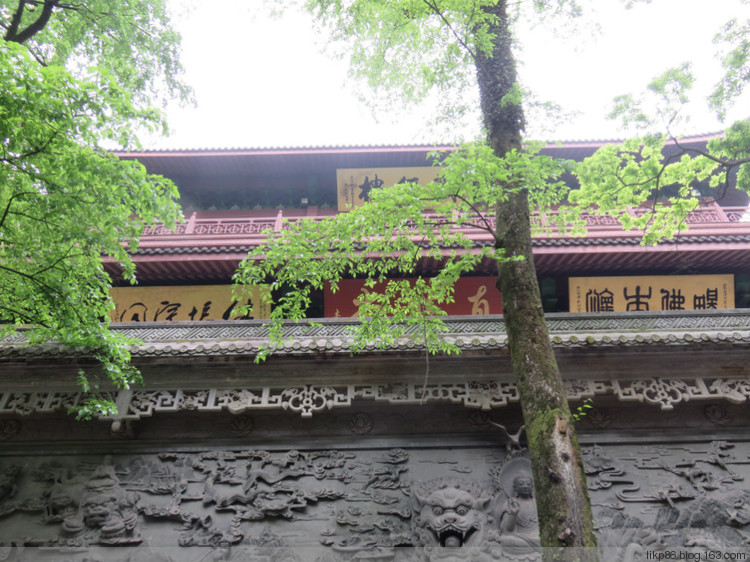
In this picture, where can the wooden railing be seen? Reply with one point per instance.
(708, 217)
(194, 226)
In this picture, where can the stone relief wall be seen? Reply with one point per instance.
(347, 504)
(357, 504)
(692, 496)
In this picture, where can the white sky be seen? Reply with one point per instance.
(261, 82)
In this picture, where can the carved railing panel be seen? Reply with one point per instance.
(711, 215)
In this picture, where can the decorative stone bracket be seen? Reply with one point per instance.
(309, 399)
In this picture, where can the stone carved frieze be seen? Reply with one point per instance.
(361, 424)
(348, 504)
(242, 425)
(307, 400)
(665, 393)
(8, 488)
(662, 497)
(717, 414)
(492, 518)
(87, 507)
(355, 504)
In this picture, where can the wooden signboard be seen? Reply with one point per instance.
(650, 293)
(191, 302)
(472, 295)
(355, 184)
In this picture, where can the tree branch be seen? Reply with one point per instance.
(731, 163)
(29, 319)
(33, 28)
(15, 21)
(433, 6)
(49, 288)
(72, 7)
(66, 255)
(726, 164)
(10, 201)
(487, 226)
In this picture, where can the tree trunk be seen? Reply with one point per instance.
(563, 505)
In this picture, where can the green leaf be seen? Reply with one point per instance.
(65, 201)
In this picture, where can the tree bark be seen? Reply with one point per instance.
(563, 506)
(14, 35)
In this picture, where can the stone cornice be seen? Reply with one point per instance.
(330, 336)
(720, 374)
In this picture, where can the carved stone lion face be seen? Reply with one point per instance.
(452, 515)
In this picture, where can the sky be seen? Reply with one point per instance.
(263, 82)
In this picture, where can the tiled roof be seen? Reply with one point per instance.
(208, 249)
(470, 333)
(211, 150)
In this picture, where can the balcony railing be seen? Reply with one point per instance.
(708, 217)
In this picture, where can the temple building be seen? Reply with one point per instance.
(318, 454)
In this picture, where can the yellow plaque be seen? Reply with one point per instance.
(355, 184)
(190, 302)
(650, 293)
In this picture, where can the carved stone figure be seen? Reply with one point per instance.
(618, 533)
(202, 531)
(719, 517)
(709, 524)
(8, 489)
(515, 510)
(518, 519)
(107, 513)
(61, 503)
(8, 479)
(450, 512)
(691, 500)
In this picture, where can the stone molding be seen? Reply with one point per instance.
(307, 400)
(567, 330)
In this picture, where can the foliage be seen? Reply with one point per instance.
(621, 177)
(583, 409)
(664, 176)
(405, 50)
(660, 106)
(133, 41)
(65, 201)
(401, 226)
(735, 41)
